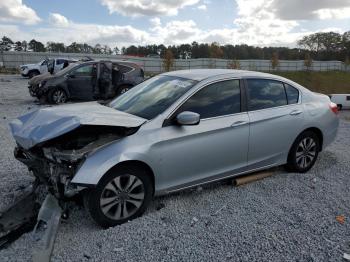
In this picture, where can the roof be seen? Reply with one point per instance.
(201, 74)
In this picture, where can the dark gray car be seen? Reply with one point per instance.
(86, 81)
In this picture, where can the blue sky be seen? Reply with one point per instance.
(140, 22)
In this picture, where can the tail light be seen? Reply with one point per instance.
(334, 108)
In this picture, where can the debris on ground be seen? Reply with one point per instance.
(340, 219)
(252, 177)
(219, 210)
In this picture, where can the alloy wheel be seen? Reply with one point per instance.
(59, 96)
(122, 197)
(306, 152)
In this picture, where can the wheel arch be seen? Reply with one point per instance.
(133, 163)
(319, 134)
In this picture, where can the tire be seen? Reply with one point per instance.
(33, 73)
(57, 96)
(123, 89)
(304, 152)
(108, 202)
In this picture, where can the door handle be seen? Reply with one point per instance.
(239, 123)
(295, 112)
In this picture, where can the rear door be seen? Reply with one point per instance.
(80, 82)
(276, 118)
(213, 148)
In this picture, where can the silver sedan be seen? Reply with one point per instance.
(174, 131)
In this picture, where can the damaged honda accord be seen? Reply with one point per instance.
(174, 131)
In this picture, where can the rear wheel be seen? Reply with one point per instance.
(33, 73)
(304, 152)
(122, 195)
(57, 96)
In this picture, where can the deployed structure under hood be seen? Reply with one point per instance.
(48, 123)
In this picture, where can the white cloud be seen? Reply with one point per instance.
(16, 11)
(58, 20)
(333, 13)
(202, 7)
(155, 22)
(310, 9)
(147, 7)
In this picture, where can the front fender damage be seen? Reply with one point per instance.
(54, 164)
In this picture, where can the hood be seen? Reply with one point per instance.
(28, 65)
(39, 78)
(47, 123)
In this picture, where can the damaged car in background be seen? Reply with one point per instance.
(86, 81)
(173, 131)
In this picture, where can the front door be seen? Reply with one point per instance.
(214, 148)
(80, 82)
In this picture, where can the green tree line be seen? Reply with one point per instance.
(317, 46)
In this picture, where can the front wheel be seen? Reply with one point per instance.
(123, 89)
(122, 195)
(57, 96)
(304, 152)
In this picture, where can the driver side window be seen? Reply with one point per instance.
(83, 71)
(218, 99)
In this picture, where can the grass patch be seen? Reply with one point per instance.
(331, 82)
(5, 70)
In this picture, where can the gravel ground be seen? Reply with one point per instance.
(286, 217)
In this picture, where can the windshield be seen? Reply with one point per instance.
(66, 69)
(153, 96)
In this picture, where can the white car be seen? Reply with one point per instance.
(56, 64)
(342, 100)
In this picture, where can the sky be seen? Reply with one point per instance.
(141, 22)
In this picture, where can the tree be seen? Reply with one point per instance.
(234, 64)
(308, 61)
(56, 47)
(274, 61)
(6, 43)
(24, 45)
(116, 50)
(18, 46)
(168, 60)
(36, 46)
(215, 51)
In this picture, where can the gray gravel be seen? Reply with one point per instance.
(286, 217)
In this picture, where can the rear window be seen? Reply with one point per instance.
(124, 69)
(60, 61)
(264, 93)
(292, 94)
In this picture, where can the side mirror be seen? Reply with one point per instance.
(188, 118)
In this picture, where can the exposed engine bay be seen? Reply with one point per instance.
(55, 162)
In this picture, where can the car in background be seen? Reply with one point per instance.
(44, 66)
(174, 131)
(87, 81)
(342, 100)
